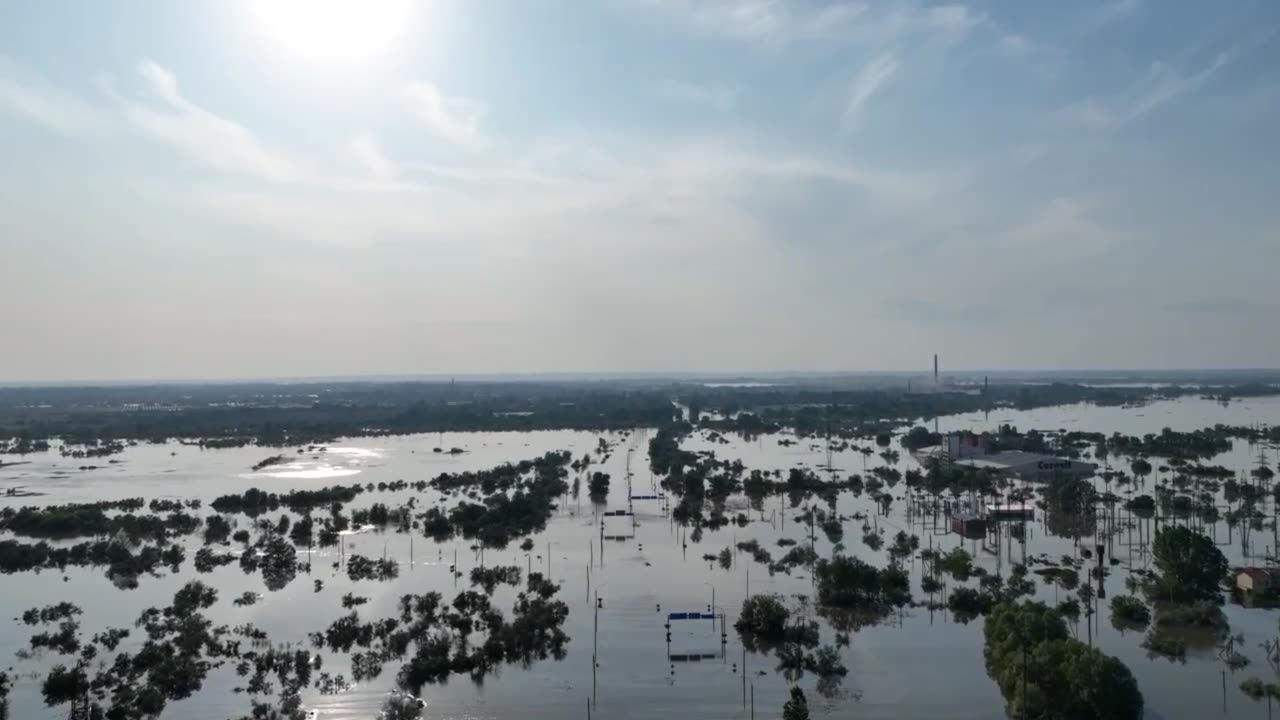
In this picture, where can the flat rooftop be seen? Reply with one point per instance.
(1012, 460)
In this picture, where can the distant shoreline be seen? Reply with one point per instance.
(1098, 375)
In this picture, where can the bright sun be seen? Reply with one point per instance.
(333, 30)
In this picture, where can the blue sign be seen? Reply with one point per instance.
(691, 616)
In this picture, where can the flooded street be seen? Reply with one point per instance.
(918, 664)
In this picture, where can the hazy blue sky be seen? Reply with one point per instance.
(189, 190)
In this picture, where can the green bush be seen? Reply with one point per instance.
(1043, 673)
(1130, 610)
(764, 617)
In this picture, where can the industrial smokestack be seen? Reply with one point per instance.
(935, 368)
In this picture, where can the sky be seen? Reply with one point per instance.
(252, 188)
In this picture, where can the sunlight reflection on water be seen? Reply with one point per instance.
(298, 472)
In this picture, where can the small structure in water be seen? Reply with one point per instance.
(1255, 580)
(966, 523)
(627, 515)
(1011, 511)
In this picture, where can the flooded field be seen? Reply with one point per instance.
(919, 663)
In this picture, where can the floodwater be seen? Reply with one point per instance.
(920, 664)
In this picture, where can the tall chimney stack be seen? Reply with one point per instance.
(935, 368)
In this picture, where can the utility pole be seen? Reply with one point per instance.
(813, 548)
(830, 469)
(595, 648)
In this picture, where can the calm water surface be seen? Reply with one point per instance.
(921, 664)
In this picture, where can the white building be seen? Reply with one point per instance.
(960, 448)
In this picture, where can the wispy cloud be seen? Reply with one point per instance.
(1061, 230)
(873, 76)
(368, 155)
(774, 23)
(1110, 12)
(830, 19)
(612, 190)
(453, 119)
(1014, 44)
(29, 97)
(568, 185)
(767, 21)
(1160, 85)
(1087, 114)
(1169, 82)
(952, 18)
(199, 135)
(712, 95)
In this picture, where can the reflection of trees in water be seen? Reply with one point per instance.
(766, 625)
(829, 686)
(1073, 525)
(1203, 638)
(1167, 644)
(825, 663)
(848, 621)
(1070, 508)
(791, 662)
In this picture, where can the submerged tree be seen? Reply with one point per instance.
(957, 563)
(1141, 468)
(1044, 674)
(765, 623)
(1129, 611)
(180, 649)
(437, 638)
(847, 582)
(598, 488)
(1191, 567)
(401, 706)
(797, 708)
(1255, 689)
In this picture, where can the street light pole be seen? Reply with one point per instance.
(595, 647)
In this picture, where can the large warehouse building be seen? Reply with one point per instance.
(1032, 466)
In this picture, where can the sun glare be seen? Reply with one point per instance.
(333, 30)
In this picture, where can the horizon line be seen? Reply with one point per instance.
(570, 375)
